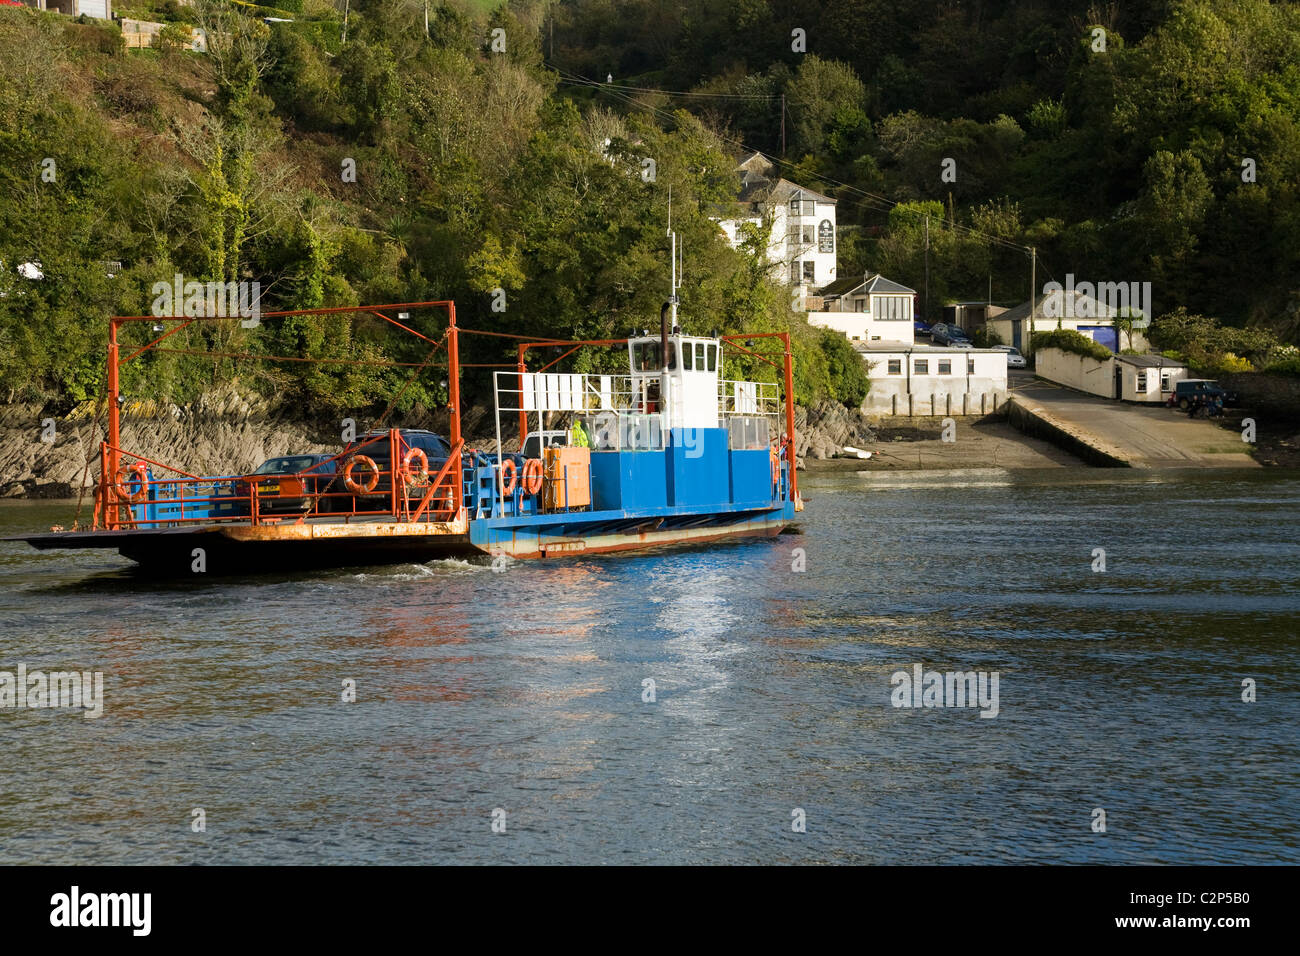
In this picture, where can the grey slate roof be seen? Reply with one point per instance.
(757, 184)
(877, 284)
(1098, 309)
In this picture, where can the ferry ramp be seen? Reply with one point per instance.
(1123, 435)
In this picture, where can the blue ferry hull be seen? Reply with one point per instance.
(539, 536)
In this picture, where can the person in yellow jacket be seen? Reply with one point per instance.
(580, 439)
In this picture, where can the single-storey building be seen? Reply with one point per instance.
(909, 379)
(971, 315)
(1065, 309)
(867, 309)
(1131, 378)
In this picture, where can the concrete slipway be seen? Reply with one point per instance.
(1122, 435)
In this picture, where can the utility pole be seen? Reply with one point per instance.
(925, 301)
(1033, 298)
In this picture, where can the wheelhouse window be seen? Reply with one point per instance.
(699, 356)
(687, 364)
(713, 358)
(645, 357)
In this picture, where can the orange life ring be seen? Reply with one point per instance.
(533, 476)
(123, 478)
(413, 477)
(508, 477)
(351, 484)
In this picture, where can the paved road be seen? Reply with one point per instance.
(1144, 436)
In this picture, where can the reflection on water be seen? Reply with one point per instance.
(521, 686)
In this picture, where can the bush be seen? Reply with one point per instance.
(1204, 335)
(1068, 340)
(847, 373)
(1286, 366)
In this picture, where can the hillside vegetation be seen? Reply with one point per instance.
(521, 170)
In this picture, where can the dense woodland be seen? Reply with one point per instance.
(1154, 141)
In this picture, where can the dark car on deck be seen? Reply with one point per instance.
(285, 484)
(436, 449)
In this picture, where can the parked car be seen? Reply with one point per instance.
(290, 481)
(435, 448)
(950, 335)
(920, 328)
(1189, 391)
(1014, 358)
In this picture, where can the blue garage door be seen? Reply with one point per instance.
(1105, 334)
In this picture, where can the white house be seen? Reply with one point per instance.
(100, 9)
(1065, 309)
(802, 244)
(933, 380)
(1131, 378)
(870, 309)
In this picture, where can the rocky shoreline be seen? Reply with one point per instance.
(227, 432)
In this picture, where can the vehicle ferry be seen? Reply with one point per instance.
(667, 452)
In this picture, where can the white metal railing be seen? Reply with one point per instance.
(749, 398)
(624, 413)
(613, 409)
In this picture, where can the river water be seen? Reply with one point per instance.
(515, 694)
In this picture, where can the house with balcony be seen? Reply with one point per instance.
(801, 245)
(877, 315)
(867, 309)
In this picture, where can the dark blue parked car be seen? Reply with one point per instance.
(950, 335)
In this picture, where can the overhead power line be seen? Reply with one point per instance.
(647, 89)
(622, 92)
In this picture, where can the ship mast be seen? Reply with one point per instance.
(673, 281)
